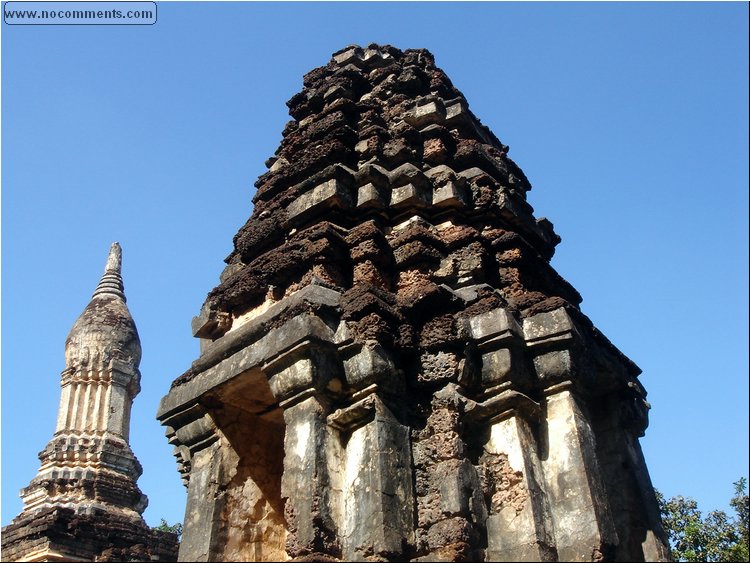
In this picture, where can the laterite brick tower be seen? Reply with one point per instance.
(84, 503)
(390, 368)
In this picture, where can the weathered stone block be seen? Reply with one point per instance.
(426, 114)
(376, 57)
(498, 322)
(370, 364)
(497, 367)
(299, 369)
(455, 112)
(448, 195)
(460, 491)
(408, 195)
(350, 55)
(548, 327)
(330, 194)
(371, 196)
(556, 365)
(439, 367)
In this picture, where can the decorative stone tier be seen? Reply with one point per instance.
(64, 534)
(390, 368)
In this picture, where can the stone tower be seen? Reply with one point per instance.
(84, 504)
(390, 368)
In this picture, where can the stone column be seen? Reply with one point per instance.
(124, 386)
(65, 400)
(618, 420)
(203, 507)
(299, 379)
(375, 479)
(305, 484)
(654, 544)
(451, 510)
(584, 529)
(199, 447)
(519, 525)
(574, 482)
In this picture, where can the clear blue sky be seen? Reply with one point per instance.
(630, 120)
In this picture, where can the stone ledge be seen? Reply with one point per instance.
(253, 345)
(232, 341)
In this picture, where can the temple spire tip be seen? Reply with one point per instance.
(111, 282)
(114, 260)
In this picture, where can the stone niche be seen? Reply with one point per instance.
(390, 369)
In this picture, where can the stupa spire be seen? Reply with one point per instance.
(105, 330)
(111, 282)
(86, 484)
(100, 381)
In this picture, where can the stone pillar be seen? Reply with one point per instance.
(618, 419)
(519, 525)
(451, 510)
(305, 484)
(584, 528)
(199, 439)
(204, 504)
(66, 396)
(125, 385)
(574, 485)
(375, 479)
(299, 379)
(654, 543)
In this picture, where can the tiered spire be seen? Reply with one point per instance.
(99, 383)
(84, 504)
(384, 176)
(105, 330)
(390, 367)
(111, 282)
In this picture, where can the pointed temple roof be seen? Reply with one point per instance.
(384, 163)
(111, 282)
(105, 330)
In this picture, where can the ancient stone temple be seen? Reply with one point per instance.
(390, 369)
(84, 504)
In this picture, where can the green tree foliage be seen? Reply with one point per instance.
(165, 526)
(717, 537)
